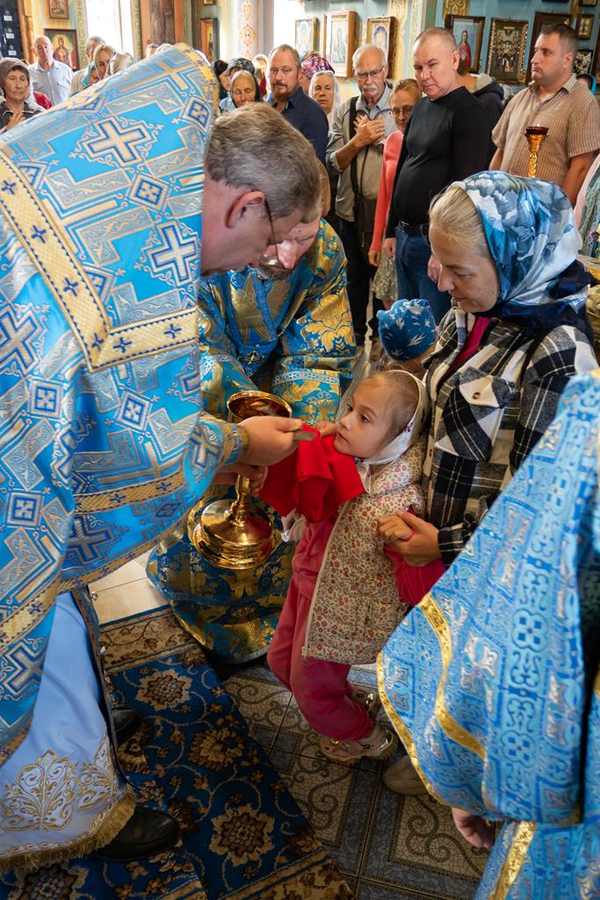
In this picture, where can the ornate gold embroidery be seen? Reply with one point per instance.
(402, 730)
(42, 796)
(456, 732)
(514, 860)
(97, 779)
(47, 793)
(55, 259)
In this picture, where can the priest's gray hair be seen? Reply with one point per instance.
(256, 148)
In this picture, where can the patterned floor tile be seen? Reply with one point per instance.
(337, 800)
(262, 701)
(413, 844)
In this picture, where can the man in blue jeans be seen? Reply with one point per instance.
(446, 139)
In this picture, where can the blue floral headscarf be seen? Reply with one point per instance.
(532, 237)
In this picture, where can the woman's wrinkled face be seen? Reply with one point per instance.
(402, 104)
(470, 278)
(324, 92)
(243, 89)
(16, 85)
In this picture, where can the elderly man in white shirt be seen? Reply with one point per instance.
(49, 76)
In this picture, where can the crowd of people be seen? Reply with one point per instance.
(441, 519)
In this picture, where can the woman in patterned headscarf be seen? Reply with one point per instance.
(517, 333)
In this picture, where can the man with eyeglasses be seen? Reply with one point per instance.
(284, 327)
(446, 139)
(355, 150)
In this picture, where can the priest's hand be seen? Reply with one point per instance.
(255, 474)
(423, 546)
(474, 829)
(271, 439)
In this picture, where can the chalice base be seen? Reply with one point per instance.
(230, 543)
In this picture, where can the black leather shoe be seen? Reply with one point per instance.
(127, 722)
(147, 833)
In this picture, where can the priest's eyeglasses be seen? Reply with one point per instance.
(270, 259)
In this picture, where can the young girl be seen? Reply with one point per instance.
(344, 600)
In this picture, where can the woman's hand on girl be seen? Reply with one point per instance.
(393, 530)
(423, 546)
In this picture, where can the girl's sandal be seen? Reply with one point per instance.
(367, 698)
(377, 745)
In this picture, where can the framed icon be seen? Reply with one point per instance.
(340, 41)
(305, 36)
(468, 33)
(58, 9)
(506, 53)
(64, 45)
(381, 31)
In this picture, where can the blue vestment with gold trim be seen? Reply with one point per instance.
(293, 338)
(102, 443)
(493, 682)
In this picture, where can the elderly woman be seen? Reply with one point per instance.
(244, 89)
(15, 85)
(309, 66)
(516, 335)
(325, 90)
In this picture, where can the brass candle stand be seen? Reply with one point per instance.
(535, 135)
(236, 534)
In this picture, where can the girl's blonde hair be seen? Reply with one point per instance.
(403, 397)
(454, 213)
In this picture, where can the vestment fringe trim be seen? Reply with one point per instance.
(108, 830)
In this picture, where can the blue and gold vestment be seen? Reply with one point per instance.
(493, 682)
(103, 445)
(291, 337)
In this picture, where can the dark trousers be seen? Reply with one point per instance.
(360, 273)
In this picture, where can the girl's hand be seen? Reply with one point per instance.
(374, 257)
(474, 829)
(255, 474)
(423, 547)
(392, 530)
(325, 428)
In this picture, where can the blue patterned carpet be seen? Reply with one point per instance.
(244, 835)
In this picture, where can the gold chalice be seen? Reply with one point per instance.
(535, 135)
(236, 534)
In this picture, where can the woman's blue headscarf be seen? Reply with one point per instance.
(533, 240)
(87, 78)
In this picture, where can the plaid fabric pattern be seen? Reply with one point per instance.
(489, 414)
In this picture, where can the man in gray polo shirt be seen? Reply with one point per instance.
(49, 76)
(355, 150)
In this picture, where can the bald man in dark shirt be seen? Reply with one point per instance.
(447, 138)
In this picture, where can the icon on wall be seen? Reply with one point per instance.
(506, 54)
(305, 36)
(64, 45)
(381, 31)
(340, 41)
(58, 9)
(468, 33)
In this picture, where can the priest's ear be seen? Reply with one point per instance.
(245, 205)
